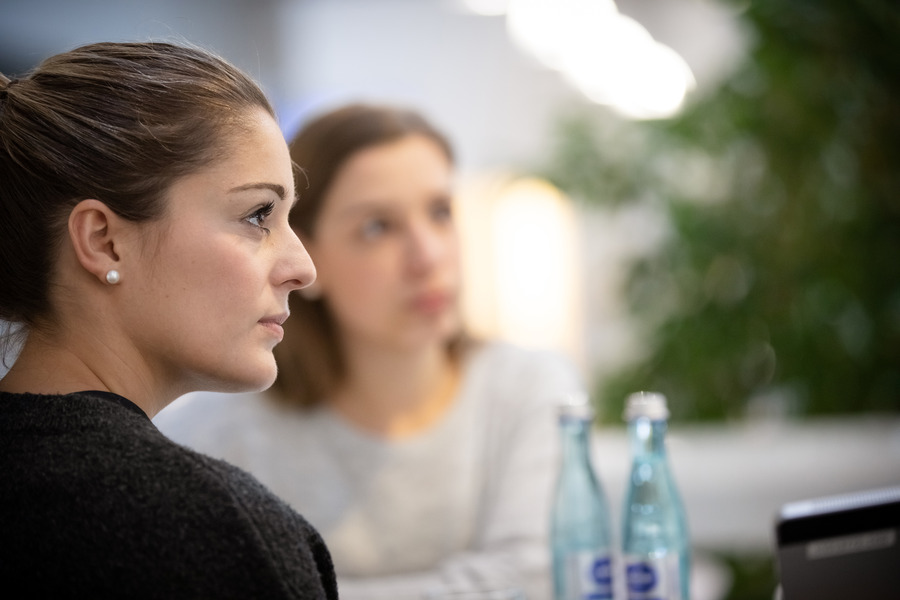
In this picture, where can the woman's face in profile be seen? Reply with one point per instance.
(386, 246)
(206, 299)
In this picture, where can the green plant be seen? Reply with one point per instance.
(780, 282)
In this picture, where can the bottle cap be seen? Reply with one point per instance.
(576, 405)
(651, 405)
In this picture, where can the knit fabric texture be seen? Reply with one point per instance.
(95, 502)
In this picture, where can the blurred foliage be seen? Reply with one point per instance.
(778, 286)
(753, 576)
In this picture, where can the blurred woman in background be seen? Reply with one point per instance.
(433, 454)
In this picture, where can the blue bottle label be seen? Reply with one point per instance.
(589, 576)
(653, 578)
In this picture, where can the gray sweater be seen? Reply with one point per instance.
(462, 505)
(96, 503)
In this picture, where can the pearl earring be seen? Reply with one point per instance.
(112, 277)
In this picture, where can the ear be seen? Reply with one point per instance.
(95, 230)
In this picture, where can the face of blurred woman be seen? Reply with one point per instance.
(386, 246)
(205, 303)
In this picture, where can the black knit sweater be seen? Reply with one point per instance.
(96, 503)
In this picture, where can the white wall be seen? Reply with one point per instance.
(458, 68)
(463, 70)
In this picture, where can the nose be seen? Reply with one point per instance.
(427, 246)
(297, 269)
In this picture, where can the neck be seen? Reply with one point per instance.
(396, 393)
(62, 363)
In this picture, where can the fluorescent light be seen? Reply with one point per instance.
(611, 58)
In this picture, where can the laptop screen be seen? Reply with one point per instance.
(845, 546)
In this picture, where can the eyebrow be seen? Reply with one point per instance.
(274, 187)
(372, 205)
(363, 208)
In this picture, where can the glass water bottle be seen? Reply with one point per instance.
(580, 528)
(655, 541)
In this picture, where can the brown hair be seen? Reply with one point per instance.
(118, 122)
(310, 360)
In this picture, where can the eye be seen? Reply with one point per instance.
(259, 216)
(441, 211)
(374, 228)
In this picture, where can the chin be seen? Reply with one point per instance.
(427, 339)
(448, 329)
(249, 377)
(263, 380)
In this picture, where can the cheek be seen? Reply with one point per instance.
(355, 276)
(218, 275)
(360, 287)
(454, 257)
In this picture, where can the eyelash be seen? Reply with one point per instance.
(261, 214)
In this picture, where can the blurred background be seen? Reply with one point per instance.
(700, 197)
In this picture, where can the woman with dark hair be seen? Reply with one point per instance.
(146, 252)
(433, 453)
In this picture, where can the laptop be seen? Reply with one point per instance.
(840, 547)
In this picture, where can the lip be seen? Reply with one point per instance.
(275, 324)
(432, 302)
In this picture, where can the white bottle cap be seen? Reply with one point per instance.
(576, 405)
(651, 405)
